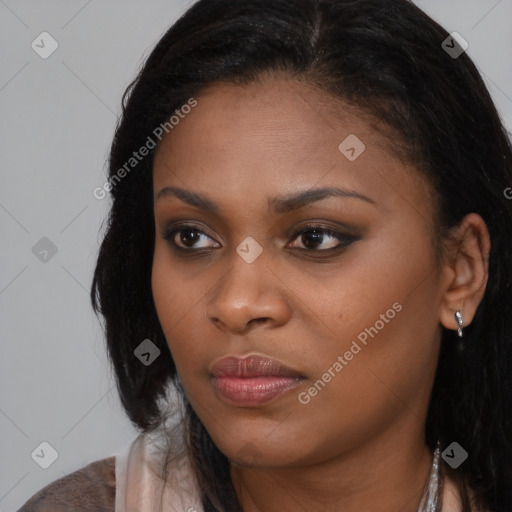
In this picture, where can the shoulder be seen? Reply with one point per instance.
(91, 488)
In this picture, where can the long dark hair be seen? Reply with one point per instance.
(386, 59)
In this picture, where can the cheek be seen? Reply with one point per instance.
(165, 290)
(387, 335)
(375, 382)
(174, 298)
(180, 309)
(361, 296)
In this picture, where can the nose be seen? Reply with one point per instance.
(250, 294)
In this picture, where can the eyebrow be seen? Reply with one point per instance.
(300, 199)
(282, 204)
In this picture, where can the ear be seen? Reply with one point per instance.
(465, 271)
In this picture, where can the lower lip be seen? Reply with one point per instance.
(252, 391)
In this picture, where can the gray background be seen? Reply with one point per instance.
(57, 119)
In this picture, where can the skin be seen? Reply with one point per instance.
(359, 443)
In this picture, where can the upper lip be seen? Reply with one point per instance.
(252, 366)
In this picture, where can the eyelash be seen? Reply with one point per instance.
(345, 239)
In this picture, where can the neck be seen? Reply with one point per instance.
(387, 473)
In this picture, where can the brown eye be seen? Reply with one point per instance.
(189, 237)
(314, 238)
(320, 239)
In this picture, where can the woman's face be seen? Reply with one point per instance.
(287, 231)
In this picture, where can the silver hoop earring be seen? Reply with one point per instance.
(458, 318)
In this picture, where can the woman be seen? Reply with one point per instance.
(308, 245)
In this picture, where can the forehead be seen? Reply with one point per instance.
(275, 135)
(282, 115)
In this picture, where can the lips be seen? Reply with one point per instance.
(252, 366)
(252, 380)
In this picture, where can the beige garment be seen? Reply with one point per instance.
(140, 482)
(126, 482)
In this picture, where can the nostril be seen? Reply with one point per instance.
(259, 320)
